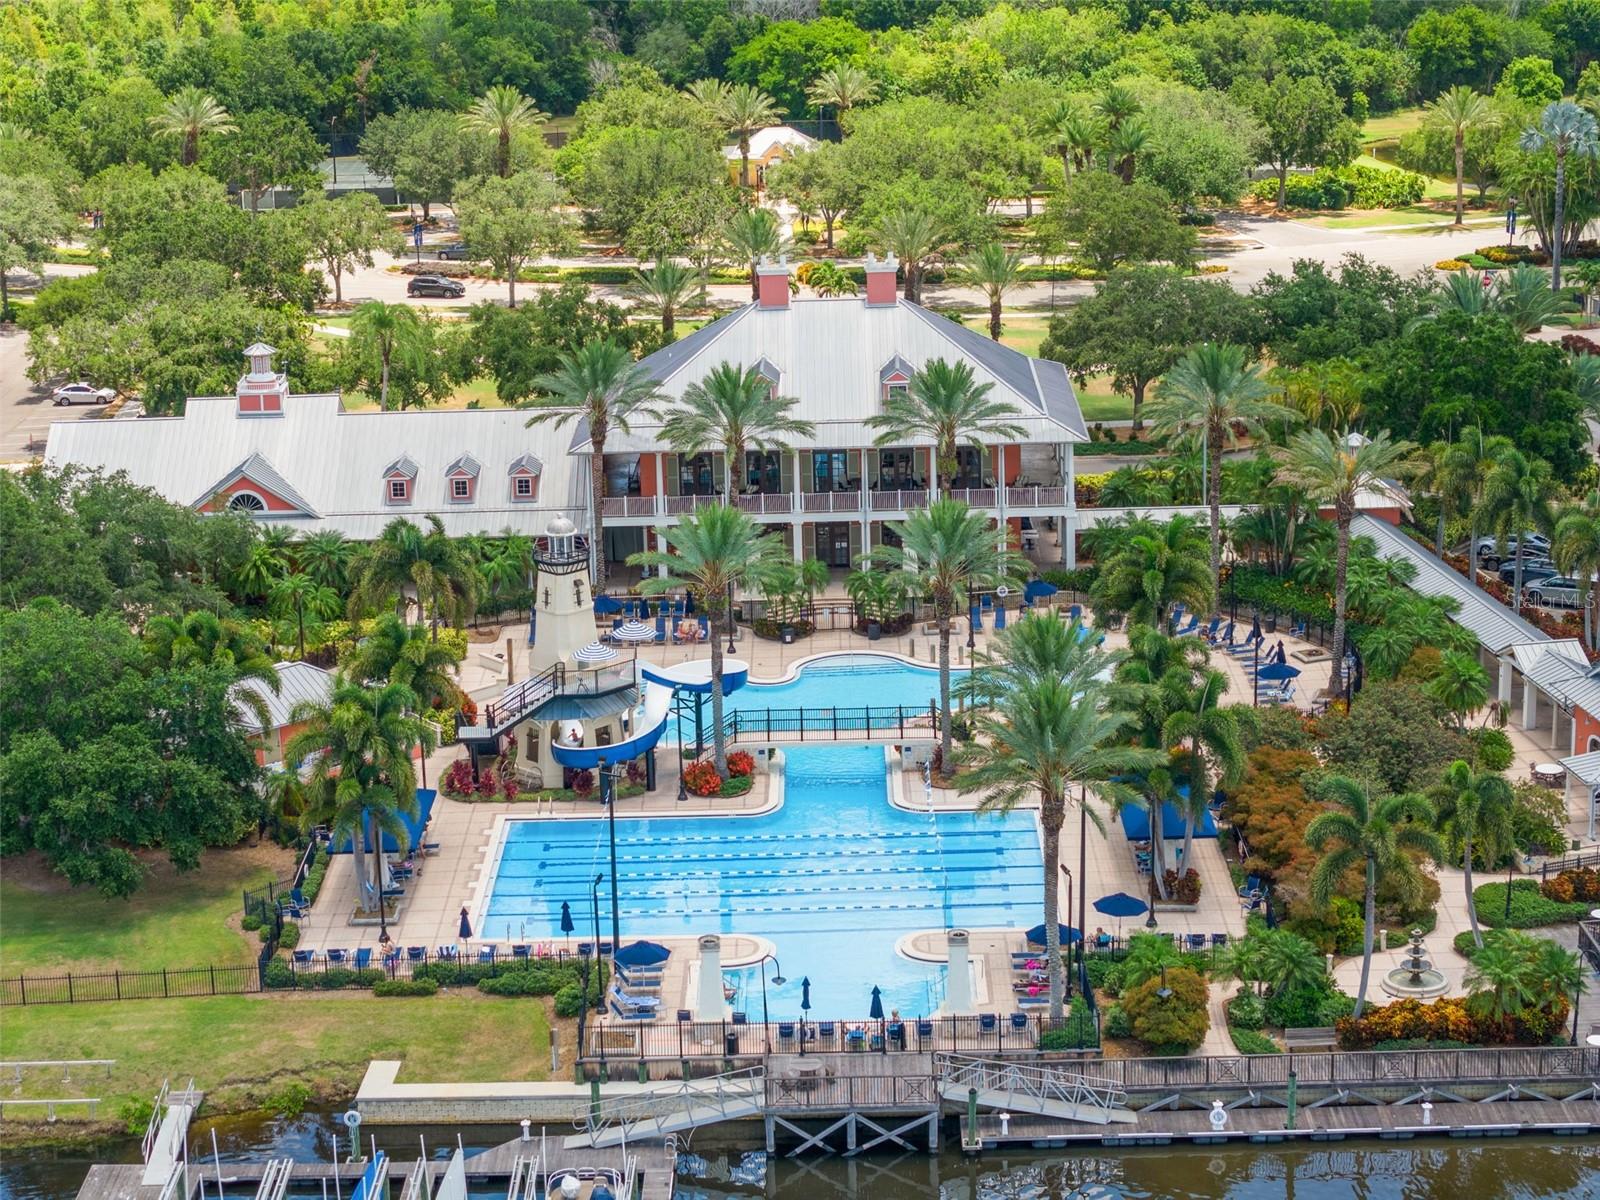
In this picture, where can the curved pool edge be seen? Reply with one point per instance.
(821, 657)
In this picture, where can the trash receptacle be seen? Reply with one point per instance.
(730, 1043)
(788, 635)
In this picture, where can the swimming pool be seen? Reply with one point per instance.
(833, 879)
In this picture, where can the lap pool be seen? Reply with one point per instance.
(833, 879)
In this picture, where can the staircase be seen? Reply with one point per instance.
(1031, 1088)
(673, 1108)
(515, 703)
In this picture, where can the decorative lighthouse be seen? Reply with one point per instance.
(562, 598)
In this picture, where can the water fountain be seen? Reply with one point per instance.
(1415, 978)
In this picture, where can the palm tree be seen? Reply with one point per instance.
(205, 639)
(709, 94)
(1156, 567)
(1073, 133)
(1571, 132)
(1290, 963)
(841, 88)
(356, 747)
(1380, 839)
(1334, 472)
(1216, 753)
(1476, 815)
(734, 408)
(300, 596)
(1459, 110)
(753, 234)
(1124, 146)
(501, 112)
(712, 551)
(945, 404)
(431, 566)
(1326, 394)
(1116, 104)
(914, 236)
(1472, 459)
(395, 652)
(1213, 394)
(949, 549)
(325, 556)
(1460, 685)
(267, 562)
(1517, 498)
(1148, 955)
(1460, 292)
(1575, 549)
(392, 331)
(1522, 296)
(187, 114)
(743, 109)
(1586, 383)
(994, 270)
(666, 288)
(601, 385)
(1054, 726)
(1500, 979)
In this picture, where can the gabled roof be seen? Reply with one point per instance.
(1561, 669)
(525, 462)
(762, 141)
(262, 473)
(895, 366)
(766, 370)
(297, 682)
(402, 466)
(465, 465)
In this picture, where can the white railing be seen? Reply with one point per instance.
(1042, 1083)
(50, 1106)
(765, 502)
(847, 500)
(654, 1114)
(899, 501)
(416, 1185)
(975, 497)
(524, 1178)
(628, 506)
(1037, 496)
(677, 506)
(153, 1126)
(274, 1183)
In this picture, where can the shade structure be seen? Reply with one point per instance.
(805, 994)
(634, 631)
(594, 653)
(1119, 905)
(1275, 671)
(414, 827)
(566, 918)
(607, 606)
(465, 931)
(1136, 823)
(642, 954)
(876, 1012)
(1069, 935)
(1037, 589)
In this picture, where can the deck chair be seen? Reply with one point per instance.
(1300, 630)
(1211, 631)
(338, 956)
(1019, 1021)
(486, 954)
(363, 958)
(302, 958)
(521, 950)
(705, 628)
(661, 629)
(447, 954)
(1075, 612)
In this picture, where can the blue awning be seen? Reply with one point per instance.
(414, 827)
(1037, 589)
(1136, 824)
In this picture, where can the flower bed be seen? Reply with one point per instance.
(1448, 1019)
(1530, 908)
(1581, 885)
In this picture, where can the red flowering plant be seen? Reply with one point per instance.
(702, 779)
(741, 762)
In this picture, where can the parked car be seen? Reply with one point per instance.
(457, 252)
(1556, 591)
(435, 285)
(1490, 550)
(1533, 570)
(84, 393)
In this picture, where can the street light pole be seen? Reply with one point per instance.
(732, 649)
(609, 799)
(778, 981)
(594, 898)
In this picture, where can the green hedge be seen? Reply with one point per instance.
(569, 1001)
(1247, 1011)
(1529, 908)
(405, 987)
(1078, 1033)
(1079, 580)
(1248, 1041)
(315, 874)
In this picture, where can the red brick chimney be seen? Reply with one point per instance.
(880, 280)
(772, 283)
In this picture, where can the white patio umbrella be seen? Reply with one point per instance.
(594, 654)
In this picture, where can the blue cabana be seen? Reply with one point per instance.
(414, 827)
(1037, 589)
(1136, 824)
(605, 606)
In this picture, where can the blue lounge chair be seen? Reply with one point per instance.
(1219, 939)
(1299, 631)
(363, 958)
(825, 1029)
(999, 617)
(302, 958)
(1075, 612)
(298, 898)
(685, 1015)
(1019, 1021)
(661, 629)
(988, 1022)
(632, 1014)
(521, 950)
(616, 624)
(785, 1031)
(585, 949)
(391, 958)
(447, 954)
(605, 949)
(486, 954)
(924, 1030)
(1197, 941)
(337, 956)
(1192, 627)
(417, 953)
(705, 628)
(1211, 630)
(740, 1018)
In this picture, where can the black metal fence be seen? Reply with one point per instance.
(829, 724)
(233, 980)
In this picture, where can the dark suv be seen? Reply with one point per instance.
(435, 285)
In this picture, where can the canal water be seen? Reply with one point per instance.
(716, 1169)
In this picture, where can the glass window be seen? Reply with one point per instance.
(522, 487)
(764, 471)
(831, 470)
(460, 489)
(398, 488)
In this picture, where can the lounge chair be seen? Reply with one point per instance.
(924, 1030)
(988, 1022)
(634, 1002)
(1211, 630)
(1300, 630)
(685, 1015)
(391, 957)
(705, 628)
(338, 956)
(1219, 939)
(636, 1014)
(605, 949)
(785, 1031)
(447, 954)
(1075, 612)
(486, 954)
(825, 1029)
(1019, 1021)
(1197, 941)
(1192, 627)
(521, 950)
(363, 958)
(740, 1018)
(302, 958)
(585, 949)
(298, 898)
(430, 849)
(417, 953)
(661, 629)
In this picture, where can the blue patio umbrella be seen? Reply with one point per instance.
(465, 929)
(1037, 589)
(607, 606)
(1277, 671)
(805, 994)
(566, 920)
(1069, 935)
(1119, 905)
(876, 1012)
(642, 954)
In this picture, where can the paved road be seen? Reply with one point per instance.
(26, 409)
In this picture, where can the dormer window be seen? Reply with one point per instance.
(461, 479)
(894, 379)
(399, 490)
(522, 487)
(524, 473)
(770, 373)
(398, 478)
(461, 489)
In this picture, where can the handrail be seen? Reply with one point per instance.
(416, 1185)
(524, 1180)
(660, 1104)
(153, 1125)
(828, 724)
(1039, 1081)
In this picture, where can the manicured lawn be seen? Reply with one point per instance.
(172, 921)
(480, 390)
(241, 1049)
(1392, 125)
(1020, 333)
(1106, 405)
(1419, 215)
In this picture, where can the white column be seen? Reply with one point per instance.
(798, 489)
(958, 983)
(1069, 539)
(709, 1004)
(1530, 704)
(866, 507)
(1504, 692)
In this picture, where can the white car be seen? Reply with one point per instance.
(84, 393)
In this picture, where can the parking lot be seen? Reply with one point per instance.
(26, 409)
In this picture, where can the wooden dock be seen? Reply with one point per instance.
(1328, 1123)
(656, 1161)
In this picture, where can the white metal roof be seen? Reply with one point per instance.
(1495, 626)
(1583, 767)
(830, 355)
(764, 140)
(335, 461)
(1562, 670)
(297, 682)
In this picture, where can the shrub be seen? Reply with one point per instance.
(315, 874)
(736, 785)
(1079, 580)
(1177, 1019)
(1570, 885)
(1307, 1007)
(1450, 264)
(1538, 819)
(288, 1101)
(1117, 1024)
(1182, 890)
(1104, 973)
(289, 936)
(702, 779)
(741, 762)
(457, 779)
(1247, 1011)
(134, 1113)
(1355, 185)
(1248, 1041)
(405, 987)
(569, 1001)
(279, 974)
(1464, 943)
(1078, 1032)
(1529, 908)
(1339, 930)
(1447, 1020)
(583, 782)
(251, 923)
(1493, 748)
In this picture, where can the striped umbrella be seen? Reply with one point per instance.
(634, 631)
(594, 654)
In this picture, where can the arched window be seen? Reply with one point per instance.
(247, 502)
(1594, 743)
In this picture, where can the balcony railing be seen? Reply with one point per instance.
(845, 501)
(975, 497)
(899, 501)
(766, 502)
(679, 505)
(628, 506)
(1036, 497)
